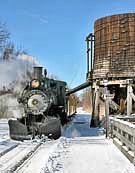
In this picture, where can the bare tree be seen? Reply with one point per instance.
(8, 51)
(86, 100)
(4, 36)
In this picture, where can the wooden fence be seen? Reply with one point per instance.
(123, 134)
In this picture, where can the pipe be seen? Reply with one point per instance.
(88, 58)
(90, 43)
(91, 56)
(78, 88)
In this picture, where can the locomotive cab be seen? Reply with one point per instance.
(44, 103)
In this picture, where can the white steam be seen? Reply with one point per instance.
(14, 74)
(9, 107)
(15, 70)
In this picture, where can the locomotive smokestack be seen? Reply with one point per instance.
(38, 72)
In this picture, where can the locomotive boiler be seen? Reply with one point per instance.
(44, 102)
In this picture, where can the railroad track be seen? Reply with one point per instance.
(21, 156)
(14, 154)
(24, 157)
(4, 129)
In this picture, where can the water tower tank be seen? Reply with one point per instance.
(114, 47)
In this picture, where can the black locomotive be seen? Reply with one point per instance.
(44, 103)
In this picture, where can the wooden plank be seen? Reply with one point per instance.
(125, 127)
(124, 140)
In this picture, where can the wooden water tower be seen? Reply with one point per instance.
(112, 66)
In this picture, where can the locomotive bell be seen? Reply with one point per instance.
(45, 73)
(38, 72)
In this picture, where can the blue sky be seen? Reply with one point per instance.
(54, 31)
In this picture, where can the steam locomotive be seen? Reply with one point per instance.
(45, 106)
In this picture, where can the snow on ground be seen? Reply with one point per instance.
(86, 150)
(80, 126)
(81, 149)
(42, 159)
(94, 156)
(4, 129)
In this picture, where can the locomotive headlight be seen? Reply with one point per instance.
(35, 83)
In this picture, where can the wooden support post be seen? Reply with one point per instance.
(95, 107)
(129, 99)
(122, 106)
(134, 149)
(133, 96)
(68, 107)
(97, 104)
(92, 99)
(106, 106)
(107, 112)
